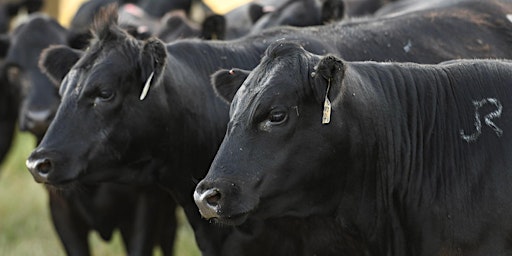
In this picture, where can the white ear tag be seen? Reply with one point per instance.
(326, 118)
(146, 86)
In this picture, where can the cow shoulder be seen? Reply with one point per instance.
(227, 81)
(56, 61)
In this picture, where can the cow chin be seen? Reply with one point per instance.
(73, 185)
(233, 220)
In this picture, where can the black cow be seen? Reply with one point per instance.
(359, 8)
(104, 207)
(176, 25)
(133, 18)
(254, 17)
(144, 216)
(158, 8)
(401, 159)
(9, 95)
(178, 125)
(301, 13)
(9, 9)
(240, 20)
(39, 97)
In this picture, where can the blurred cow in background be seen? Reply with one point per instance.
(256, 16)
(39, 97)
(9, 9)
(301, 13)
(9, 95)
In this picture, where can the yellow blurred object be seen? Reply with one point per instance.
(62, 10)
(223, 6)
(67, 9)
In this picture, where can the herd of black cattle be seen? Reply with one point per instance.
(308, 127)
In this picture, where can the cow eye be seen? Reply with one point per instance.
(106, 95)
(277, 116)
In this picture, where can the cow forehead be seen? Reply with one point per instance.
(262, 85)
(118, 54)
(98, 67)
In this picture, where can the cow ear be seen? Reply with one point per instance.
(330, 70)
(153, 59)
(56, 61)
(5, 43)
(227, 81)
(333, 10)
(214, 27)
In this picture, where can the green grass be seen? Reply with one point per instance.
(25, 224)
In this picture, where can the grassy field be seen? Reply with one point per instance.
(25, 225)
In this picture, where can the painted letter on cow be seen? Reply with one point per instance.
(487, 119)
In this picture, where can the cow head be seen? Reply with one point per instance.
(110, 101)
(39, 96)
(9, 9)
(276, 157)
(214, 27)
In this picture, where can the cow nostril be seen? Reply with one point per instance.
(214, 198)
(44, 167)
(208, 202)
(40, 168)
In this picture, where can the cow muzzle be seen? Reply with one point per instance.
(39, 168)
(224, 202)
(208, 202)
(36, 122)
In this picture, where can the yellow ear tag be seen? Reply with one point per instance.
(326, 118)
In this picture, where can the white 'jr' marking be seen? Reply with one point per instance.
(487, 119)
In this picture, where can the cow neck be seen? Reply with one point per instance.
(409, 107)
(201, 115)
(195, 128)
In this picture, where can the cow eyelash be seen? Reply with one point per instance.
(277, 116)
